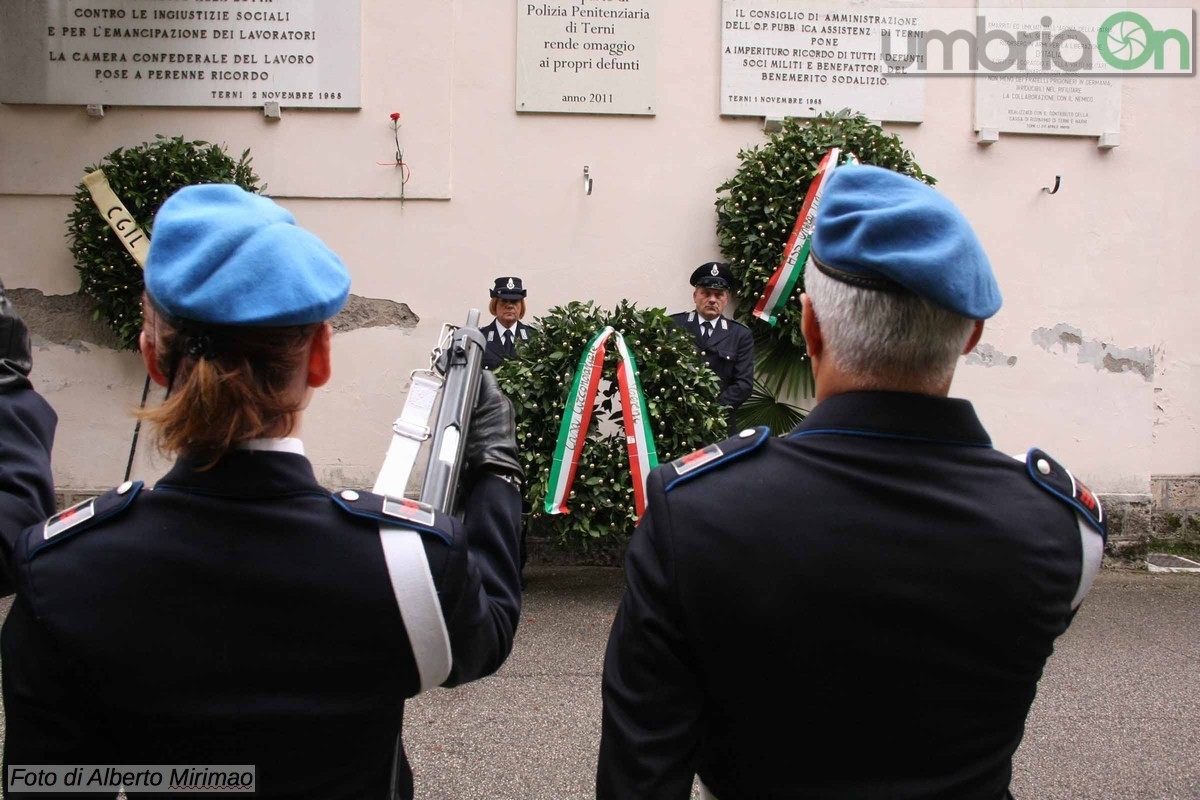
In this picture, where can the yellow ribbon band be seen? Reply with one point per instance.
(117, 216)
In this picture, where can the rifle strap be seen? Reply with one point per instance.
(403, 550)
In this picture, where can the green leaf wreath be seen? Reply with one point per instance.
(142, 177)
(755, 217)
(681, 398)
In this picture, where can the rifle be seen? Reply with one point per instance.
(454, 372)
(461, 363)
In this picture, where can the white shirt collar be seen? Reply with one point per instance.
(287, 444)
(500, 327)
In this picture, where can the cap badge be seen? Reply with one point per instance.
(510, 284)
(715, 271)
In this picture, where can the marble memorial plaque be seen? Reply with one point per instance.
(1041, 95)
(586, 56)
(299, 53)
(783, 58)
(1049, 104)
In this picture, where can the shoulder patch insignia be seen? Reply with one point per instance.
(1058, 481)
(715, 455)
(390, 510)
(86, 514)
(696, 460)
(68, 518)
(408, 510)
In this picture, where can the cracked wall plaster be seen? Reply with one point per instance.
(989, 356)
(1063, 338)
(63, 319)
(371, 312)
(66, 319)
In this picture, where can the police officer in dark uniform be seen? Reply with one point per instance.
(726, 345)
(28, 423)
(863, 608)
(505, 334)
(238, 613)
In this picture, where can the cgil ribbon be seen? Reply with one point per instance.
(795, 254)
(577, 417)
(117, 216)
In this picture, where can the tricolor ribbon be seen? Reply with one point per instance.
(577, 417)
(795, 254)
(639, 439)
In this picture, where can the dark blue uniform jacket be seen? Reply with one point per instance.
(728, 351)
(859, 610)
(240, 615)
(494, 353)
(27, 424)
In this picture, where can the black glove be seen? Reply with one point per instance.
(492, 437)
(15, 360)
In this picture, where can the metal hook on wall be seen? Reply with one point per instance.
(1057, 183)
(587, 181)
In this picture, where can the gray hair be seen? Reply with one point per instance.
(886, 337)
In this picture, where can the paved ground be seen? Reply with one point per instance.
(1117, 716)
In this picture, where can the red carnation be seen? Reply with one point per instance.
(395, 116)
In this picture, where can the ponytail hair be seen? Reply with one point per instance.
(226, 384)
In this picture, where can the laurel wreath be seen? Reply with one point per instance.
(758, 209)
(681, 398)
(142, 177)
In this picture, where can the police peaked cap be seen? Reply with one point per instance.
(882, 230)
(713, 275)
(225, 256)
(507, 288)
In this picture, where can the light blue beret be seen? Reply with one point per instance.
(222, 255)
(882, 230)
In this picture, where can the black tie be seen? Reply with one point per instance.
(508, 342)
(706, 328)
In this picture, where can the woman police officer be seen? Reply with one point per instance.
(505, 334)
(239, 613)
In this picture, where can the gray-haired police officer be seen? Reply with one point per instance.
(861, 609)
(239, 613)
(726, 345)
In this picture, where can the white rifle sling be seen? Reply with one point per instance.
(403, 551)
(1093, 554)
